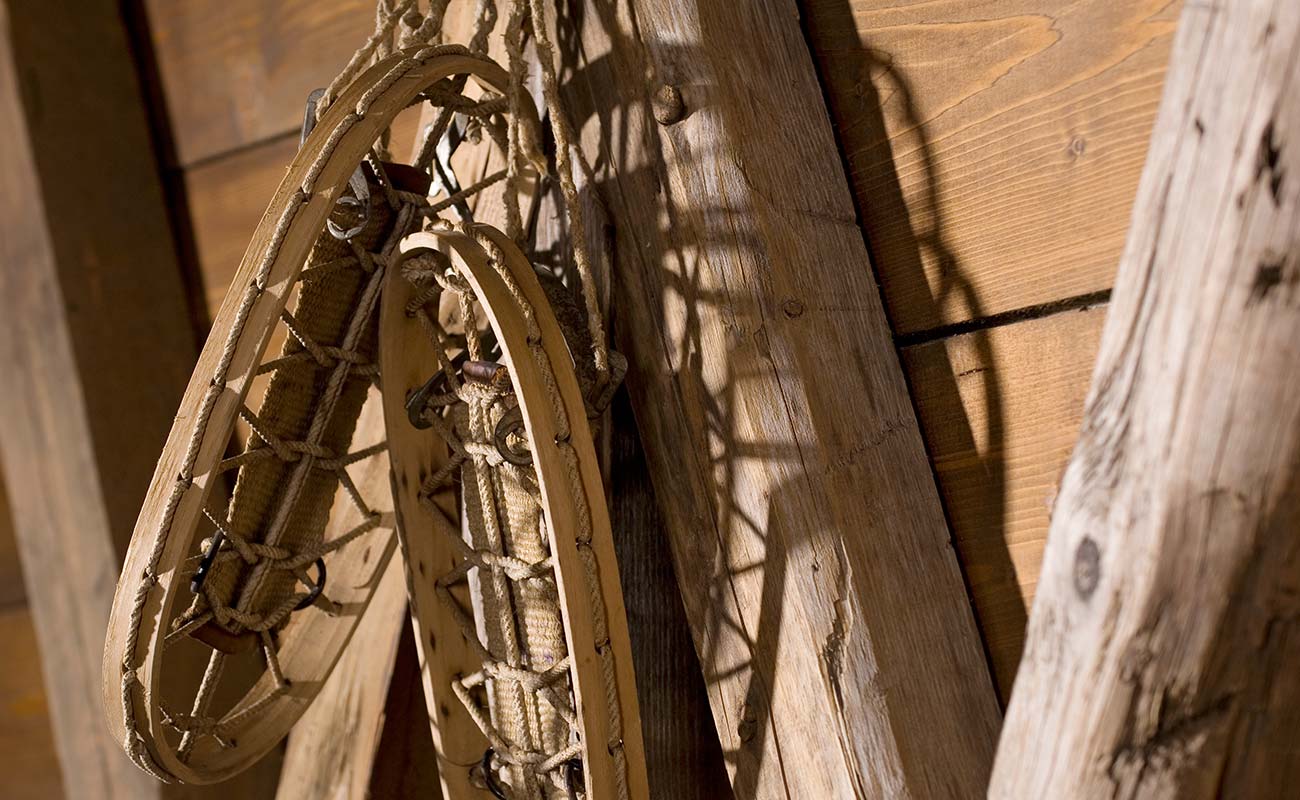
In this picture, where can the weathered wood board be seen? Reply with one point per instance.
(1161, 652)
(98, 343)
(807, 535)
(994, 145)
(71, 475)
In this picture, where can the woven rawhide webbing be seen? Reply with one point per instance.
(310, 409)
(267, 526)
(532, 579)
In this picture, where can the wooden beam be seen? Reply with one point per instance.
(809, 543)
(96, 347)
(77, 390)
(1161, 653)
(683, 758)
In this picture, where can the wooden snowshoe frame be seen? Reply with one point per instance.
(600, 669)
(155, 582)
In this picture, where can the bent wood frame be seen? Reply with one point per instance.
(412, 457)
(152, 577)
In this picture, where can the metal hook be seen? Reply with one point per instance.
(488, 778)
(316, 588)
(205, 564)
(511, 422)
(209, 558)
(574, 778)
(357, 181)
(418, 400)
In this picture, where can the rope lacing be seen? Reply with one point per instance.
(447, 414)
(209, 606)
(548, 681)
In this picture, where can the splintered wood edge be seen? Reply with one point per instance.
(406, 360)
(321, 648)
(589, 691)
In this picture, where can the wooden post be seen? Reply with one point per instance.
(95, 349)
(1162, 649)
(807, 535)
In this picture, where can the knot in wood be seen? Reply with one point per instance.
(668, 105)
(1087, 567)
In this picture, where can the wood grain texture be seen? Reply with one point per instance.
(237, 72)
(406, 762)
(11, 574)
(806, 531)
(96, 346)
(994, 145)
(683, 758)
(333, 747)
(31, 768)
(1160, 659)
(1000, 410)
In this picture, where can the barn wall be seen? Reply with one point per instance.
(994, 147)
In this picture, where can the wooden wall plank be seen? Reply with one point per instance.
(31, 768)
(1000, 409)
(994, 145)
(237, 72)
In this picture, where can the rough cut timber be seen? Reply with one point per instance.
(815, 564)
(95, 348)
(1162, 650)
